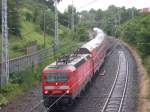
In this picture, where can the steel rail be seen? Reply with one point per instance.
(113, 86)
(106, 104)
(126, 83)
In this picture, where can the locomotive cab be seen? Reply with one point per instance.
(56, 83)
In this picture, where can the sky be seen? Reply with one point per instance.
(102, 4)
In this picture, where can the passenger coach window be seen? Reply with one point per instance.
(56, 77)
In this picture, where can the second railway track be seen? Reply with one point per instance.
(114, 102)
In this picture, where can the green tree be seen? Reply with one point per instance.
(65, 18)
(81, 32)
(109, 19)
(13, 17)
(136, 32)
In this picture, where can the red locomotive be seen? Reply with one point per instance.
(67, 77)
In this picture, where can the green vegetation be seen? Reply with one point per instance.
(81, 29)
(13, 17)
(136, 32)
(19, 82)
(26, 23)
(107, 19)
(23, 29)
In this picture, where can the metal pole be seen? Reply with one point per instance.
(56, 40)
(119, 17)
(116, 24)
(72, 18)
(132, 12)
(5, 63)
(44, 29)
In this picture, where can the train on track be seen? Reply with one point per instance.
(64, 80)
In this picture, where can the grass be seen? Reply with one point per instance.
(29, 34)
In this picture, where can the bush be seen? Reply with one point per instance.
(81, 33)
(9, 88)
(17, 46)
(136, 32)
(3, 100)
(16, 78)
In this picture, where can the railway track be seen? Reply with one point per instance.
(115, 99)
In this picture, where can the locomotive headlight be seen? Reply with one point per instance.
(56, 83)
(67, 91)
(46, 92)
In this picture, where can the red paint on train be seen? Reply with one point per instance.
(69, 75)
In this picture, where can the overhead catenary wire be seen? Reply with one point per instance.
(86, 5)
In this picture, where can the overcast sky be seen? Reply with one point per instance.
(102, 4)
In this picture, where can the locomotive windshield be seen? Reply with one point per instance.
(56, 77)
(83, 51)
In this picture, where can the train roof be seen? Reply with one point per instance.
(73, 63)
(97, 41)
